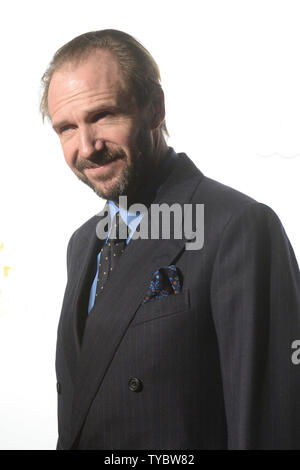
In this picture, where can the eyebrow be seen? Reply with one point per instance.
(98, 109)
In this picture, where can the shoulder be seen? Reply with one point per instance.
(224, 205)
(81, 237)
(88, 228)
(220, 200)
(85, 229)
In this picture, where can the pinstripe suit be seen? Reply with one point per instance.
(214, 361)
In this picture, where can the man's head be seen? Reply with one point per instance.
(103, 96)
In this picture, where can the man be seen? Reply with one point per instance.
(164, 345)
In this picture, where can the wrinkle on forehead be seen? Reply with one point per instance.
(96, 78)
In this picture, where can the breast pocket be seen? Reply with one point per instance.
(165, 306)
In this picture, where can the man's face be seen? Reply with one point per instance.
(105, 137)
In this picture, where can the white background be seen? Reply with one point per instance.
(231, 75)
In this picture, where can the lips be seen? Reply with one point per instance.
(101, 167)
(101, 164)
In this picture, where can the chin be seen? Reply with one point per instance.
(110, 190)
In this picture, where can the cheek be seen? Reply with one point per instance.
(123, 135)
(69, 154)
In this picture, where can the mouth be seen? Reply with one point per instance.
(103, 167)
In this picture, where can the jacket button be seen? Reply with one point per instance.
(58, 387)
(135, 385)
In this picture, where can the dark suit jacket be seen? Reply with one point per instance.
(214, 361)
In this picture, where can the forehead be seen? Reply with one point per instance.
(98, 76)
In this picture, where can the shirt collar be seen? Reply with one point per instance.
(131, 219)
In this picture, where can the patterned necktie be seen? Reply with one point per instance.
(111, 252)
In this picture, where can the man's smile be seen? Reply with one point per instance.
(102, 168)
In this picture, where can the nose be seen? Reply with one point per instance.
(89, 143)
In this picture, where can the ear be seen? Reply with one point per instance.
(157, 114)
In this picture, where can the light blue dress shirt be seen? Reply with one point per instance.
(132, 220)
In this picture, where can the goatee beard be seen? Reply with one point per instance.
(134, 176)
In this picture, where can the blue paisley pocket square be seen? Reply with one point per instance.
(166, 281)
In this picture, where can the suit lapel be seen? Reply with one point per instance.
(112, 314)
(73, 317)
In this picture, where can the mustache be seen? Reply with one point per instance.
(99, 158)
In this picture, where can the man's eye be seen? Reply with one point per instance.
(101, 115)
(65, 128)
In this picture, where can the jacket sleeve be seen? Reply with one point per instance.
(255, 294)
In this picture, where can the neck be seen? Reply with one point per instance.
(153, 178)
(160, 150)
